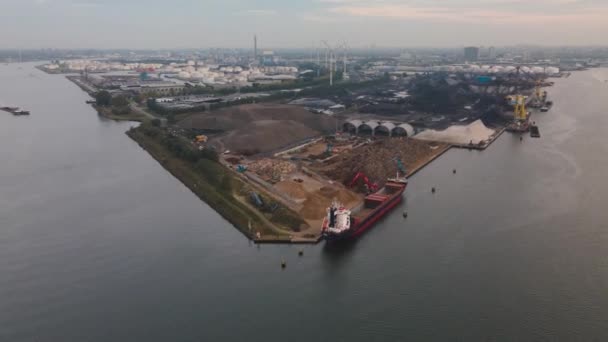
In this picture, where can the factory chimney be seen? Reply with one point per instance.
(255, 47)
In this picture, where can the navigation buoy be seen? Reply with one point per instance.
(283, 264)
(433, 190)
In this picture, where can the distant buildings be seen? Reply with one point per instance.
(471, 54)
(492, 53)
(268, 57)
(165, 75)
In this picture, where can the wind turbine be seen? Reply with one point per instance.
(330, 61)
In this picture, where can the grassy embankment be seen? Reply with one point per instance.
(219, 187)
(110, 113)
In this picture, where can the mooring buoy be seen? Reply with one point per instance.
(433, 190)
(454, 171)
(404, 214)
(301, 252)
(283, 264)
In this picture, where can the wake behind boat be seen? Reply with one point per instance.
(15, 110)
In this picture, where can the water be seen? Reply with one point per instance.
(99, 243)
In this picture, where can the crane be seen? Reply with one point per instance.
(371, 187)
(329, 55)
(521, 114)
(400, 166)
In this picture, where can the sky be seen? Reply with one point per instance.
(142, 24)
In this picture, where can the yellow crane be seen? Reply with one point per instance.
(521, 113)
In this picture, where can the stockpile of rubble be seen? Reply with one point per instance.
(272, 170)
(378, 160)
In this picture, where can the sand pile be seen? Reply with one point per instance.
(293, 189)
(474, 132)
(315, 205)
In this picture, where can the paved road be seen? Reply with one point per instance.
(144, 112)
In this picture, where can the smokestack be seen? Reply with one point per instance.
(255, 47)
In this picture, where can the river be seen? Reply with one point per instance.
(99, 243)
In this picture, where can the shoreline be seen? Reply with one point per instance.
(234, 208)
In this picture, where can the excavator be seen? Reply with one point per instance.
(371, 187)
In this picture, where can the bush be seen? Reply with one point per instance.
(103, 98)
(119, 101)
(210, 170)
(151, 131)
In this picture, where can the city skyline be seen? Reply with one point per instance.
(232, 23)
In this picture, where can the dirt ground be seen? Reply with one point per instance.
(258, 128)
(317, 150)
(314, 196)
(377, 159)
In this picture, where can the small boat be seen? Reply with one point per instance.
(534, 131)
(547, 106)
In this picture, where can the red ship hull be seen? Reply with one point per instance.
(361, 224)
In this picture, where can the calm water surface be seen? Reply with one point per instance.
(99, 243)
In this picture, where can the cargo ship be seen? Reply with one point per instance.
(342, 223)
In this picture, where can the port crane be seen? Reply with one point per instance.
(521, 114)
(400, 166)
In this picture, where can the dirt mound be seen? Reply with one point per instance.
(328, 192)
(314, 207)
(257, 128)
(237, 116)
(267, 135)
(377, 160)
(292, 189)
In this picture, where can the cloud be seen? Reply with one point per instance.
(258, 12)
(86, 5)
(468, 12)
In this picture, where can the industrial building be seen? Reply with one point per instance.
(471, 54)
(378, 128)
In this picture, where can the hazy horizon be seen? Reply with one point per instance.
(154, 24)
